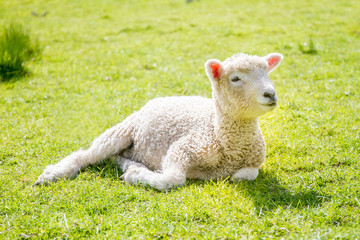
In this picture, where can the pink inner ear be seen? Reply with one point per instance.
(215, 69)
(272, 62)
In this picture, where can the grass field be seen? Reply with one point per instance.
(102, 60)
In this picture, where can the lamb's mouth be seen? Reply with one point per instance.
(271, 104)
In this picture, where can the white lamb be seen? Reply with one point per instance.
(174, 138)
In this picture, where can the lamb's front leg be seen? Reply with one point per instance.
(111, 142)
(172, 174)
(248, 173)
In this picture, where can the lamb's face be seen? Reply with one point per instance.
(241, 86)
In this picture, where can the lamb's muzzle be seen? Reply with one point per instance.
(271, 96)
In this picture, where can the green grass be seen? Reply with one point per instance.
(16, 47)
(102, 60)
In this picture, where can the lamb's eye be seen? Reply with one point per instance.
(235, 79)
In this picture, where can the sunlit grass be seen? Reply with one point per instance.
(103, 60)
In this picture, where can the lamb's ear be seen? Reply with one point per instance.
(214, 69)
(274, 60)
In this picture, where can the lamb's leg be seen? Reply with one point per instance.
(111, 142)
(161, 181)
(173, 172)
(125, 164)
(248, 173)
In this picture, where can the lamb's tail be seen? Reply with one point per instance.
(109, 143)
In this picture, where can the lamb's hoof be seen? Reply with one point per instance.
(248, 174)
(48, 176)
(131, 176)
(45, 179)
(40, 181)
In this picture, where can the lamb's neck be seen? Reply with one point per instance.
(230, 131)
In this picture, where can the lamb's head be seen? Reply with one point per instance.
(241, 86)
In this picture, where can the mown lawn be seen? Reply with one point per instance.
(102, 60)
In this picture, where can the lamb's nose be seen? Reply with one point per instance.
(271, 95)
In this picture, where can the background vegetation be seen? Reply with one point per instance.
(102, 60)
(16, 47)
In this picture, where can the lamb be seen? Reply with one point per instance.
(174, 138)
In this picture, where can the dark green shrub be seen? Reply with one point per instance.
(16, 47)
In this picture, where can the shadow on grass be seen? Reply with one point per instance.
(267, 192)
(13, 74)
